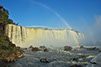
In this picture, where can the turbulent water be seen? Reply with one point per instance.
(24, 37)
(59, 58)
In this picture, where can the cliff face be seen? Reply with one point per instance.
(24, 37)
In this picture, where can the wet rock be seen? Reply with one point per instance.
(76, 65)
(19, 54)
(46, 50)
(75, 59)
(18, 47)
(93, 62)
(13, 45)
(25, 49)
(35, 49)
(42, 47)
(99, 50)
(67, 48)
(93, 48)
(45, 60)
(83, 57)
(21, 51)
(31, 46)
(82, 47)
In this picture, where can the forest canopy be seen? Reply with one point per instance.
(7, 48)
(4, 16)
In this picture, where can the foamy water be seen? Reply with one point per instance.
(59, 57)
(24, 37)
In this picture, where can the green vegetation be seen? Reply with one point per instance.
(4, 17)
(8, 51)
(6, 47)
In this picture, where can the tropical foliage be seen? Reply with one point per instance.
(6, 46)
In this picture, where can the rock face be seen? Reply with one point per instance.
(8, 50)
(24, 37)
(42, 47)
(35, 49)
(82, 47)
(19, 54)
(12, 57)
(45, 50)
(67, 48)
(31, 46)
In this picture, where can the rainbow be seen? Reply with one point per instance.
(76, 39)
(60, 17)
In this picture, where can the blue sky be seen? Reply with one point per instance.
(77, 13)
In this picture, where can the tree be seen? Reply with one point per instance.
(10, 21)
(4, 17)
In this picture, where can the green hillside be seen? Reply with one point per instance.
(8, 51)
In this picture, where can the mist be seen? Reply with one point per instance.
(93, 32)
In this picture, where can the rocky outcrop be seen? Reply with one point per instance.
(93, 48)
(45, 60)
(8, 51)
(12, 57)
(67, 48)
(45, 50)
(42, 47)
(35, 49)
(31, 46)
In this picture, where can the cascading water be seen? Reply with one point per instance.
(24, 37)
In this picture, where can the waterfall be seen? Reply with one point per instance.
(24, 37)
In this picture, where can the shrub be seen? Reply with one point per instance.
(6, 46)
